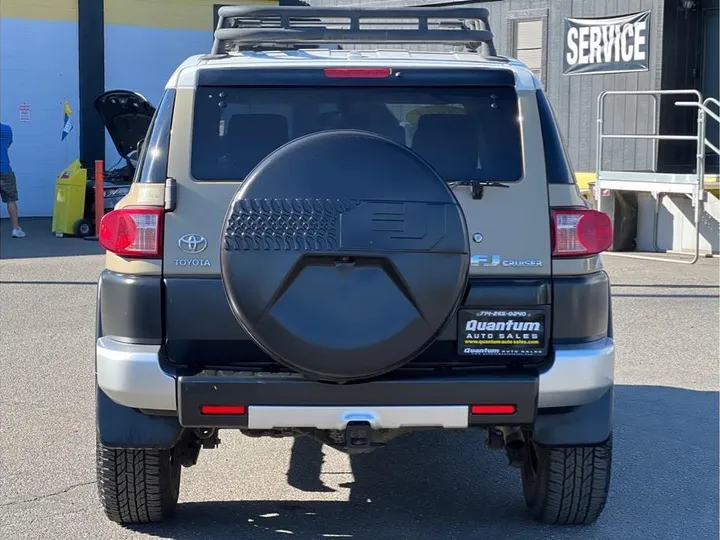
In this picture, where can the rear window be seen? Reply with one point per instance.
(465, 133)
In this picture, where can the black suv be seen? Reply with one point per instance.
(350, 244)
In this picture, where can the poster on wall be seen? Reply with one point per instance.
(607, 45)
(24, 110)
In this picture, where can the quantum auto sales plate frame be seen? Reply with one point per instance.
(504, 332)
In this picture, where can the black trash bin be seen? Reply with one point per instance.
(622, 208)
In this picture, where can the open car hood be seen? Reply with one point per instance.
(127, 116)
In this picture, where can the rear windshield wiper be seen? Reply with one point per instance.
(478, 186)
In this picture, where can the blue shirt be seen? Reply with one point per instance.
(6, 139)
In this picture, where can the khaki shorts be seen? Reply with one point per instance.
(8, 187)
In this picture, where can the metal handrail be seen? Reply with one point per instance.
(700, 159)
(654, 94)
(651, 137)
(703, 109)
(708, 110)
(715, 117)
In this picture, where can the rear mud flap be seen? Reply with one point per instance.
(587, 425)
(123, 427)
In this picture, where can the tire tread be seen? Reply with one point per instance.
(136, 485)
(572, 484)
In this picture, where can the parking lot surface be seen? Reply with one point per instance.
(665, 469)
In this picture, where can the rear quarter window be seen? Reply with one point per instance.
(153, 159)
(465, 133)
(557, 164)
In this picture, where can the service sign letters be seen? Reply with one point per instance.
(607, 45)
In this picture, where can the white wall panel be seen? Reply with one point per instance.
(142, 59)
(38, 66)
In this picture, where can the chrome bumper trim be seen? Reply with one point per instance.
(131, 375)
(271, 417)
(580, 374)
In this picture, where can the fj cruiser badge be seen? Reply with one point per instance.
(485, 260)
(495, 260)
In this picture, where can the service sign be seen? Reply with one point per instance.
(607, 45)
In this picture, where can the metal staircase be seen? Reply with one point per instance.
(660, 184)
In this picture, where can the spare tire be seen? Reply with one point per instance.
(344, 255)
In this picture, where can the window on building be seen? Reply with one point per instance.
(528, 46)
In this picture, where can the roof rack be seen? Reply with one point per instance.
(263, 27)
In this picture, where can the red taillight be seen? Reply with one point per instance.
(221, 410)
(132, 232)
(493, 409)
(357, 73)
(580, 232)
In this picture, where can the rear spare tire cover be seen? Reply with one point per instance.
(344, 255)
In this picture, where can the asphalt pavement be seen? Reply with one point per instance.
(665, 469)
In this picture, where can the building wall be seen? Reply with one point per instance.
(38, 68)
(574, 98)
(685, 66)
(145, 40)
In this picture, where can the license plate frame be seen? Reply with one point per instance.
(482, 331)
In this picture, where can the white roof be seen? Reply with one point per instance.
(185, 76)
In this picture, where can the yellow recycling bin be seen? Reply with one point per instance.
(69, 206)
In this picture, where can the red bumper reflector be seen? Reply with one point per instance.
(222, 409)
(493, 409)
(357, 73)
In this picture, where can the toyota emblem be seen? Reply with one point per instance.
(192, 243)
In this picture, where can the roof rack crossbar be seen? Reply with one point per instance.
(250, 27)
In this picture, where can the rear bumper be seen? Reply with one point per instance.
(569, 404)
(131, 376)
(273, 403)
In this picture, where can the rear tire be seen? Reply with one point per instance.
(567, 486)
(137, 486)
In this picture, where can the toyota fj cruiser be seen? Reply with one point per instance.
(351, 244)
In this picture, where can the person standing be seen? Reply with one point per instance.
(8, 183)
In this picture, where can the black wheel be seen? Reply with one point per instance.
(137, 486)
(82, 228)
(567, 486)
